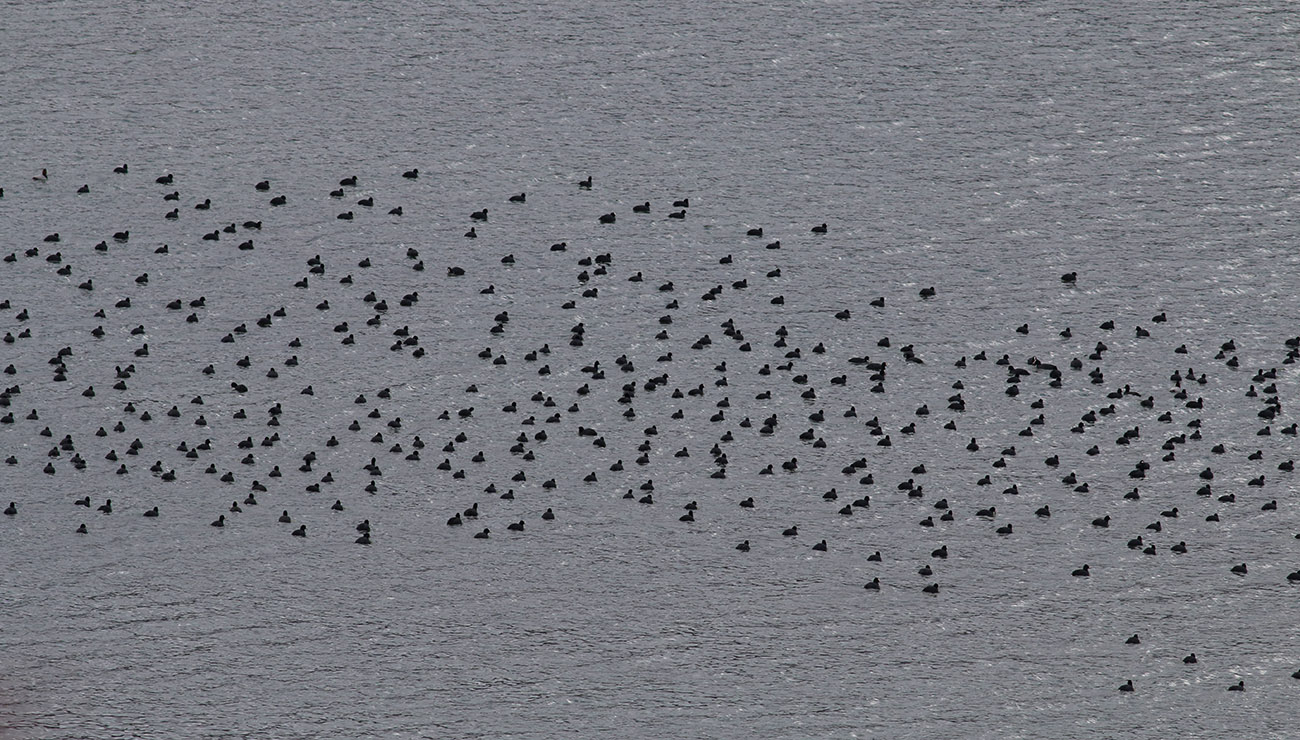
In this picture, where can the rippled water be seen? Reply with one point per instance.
(981, 149)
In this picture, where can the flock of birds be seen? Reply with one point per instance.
(645, 402)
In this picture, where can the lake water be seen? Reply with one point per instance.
(980, 149)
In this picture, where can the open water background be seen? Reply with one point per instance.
(981, 148)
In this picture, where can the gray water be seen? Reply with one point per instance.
(981, 149)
